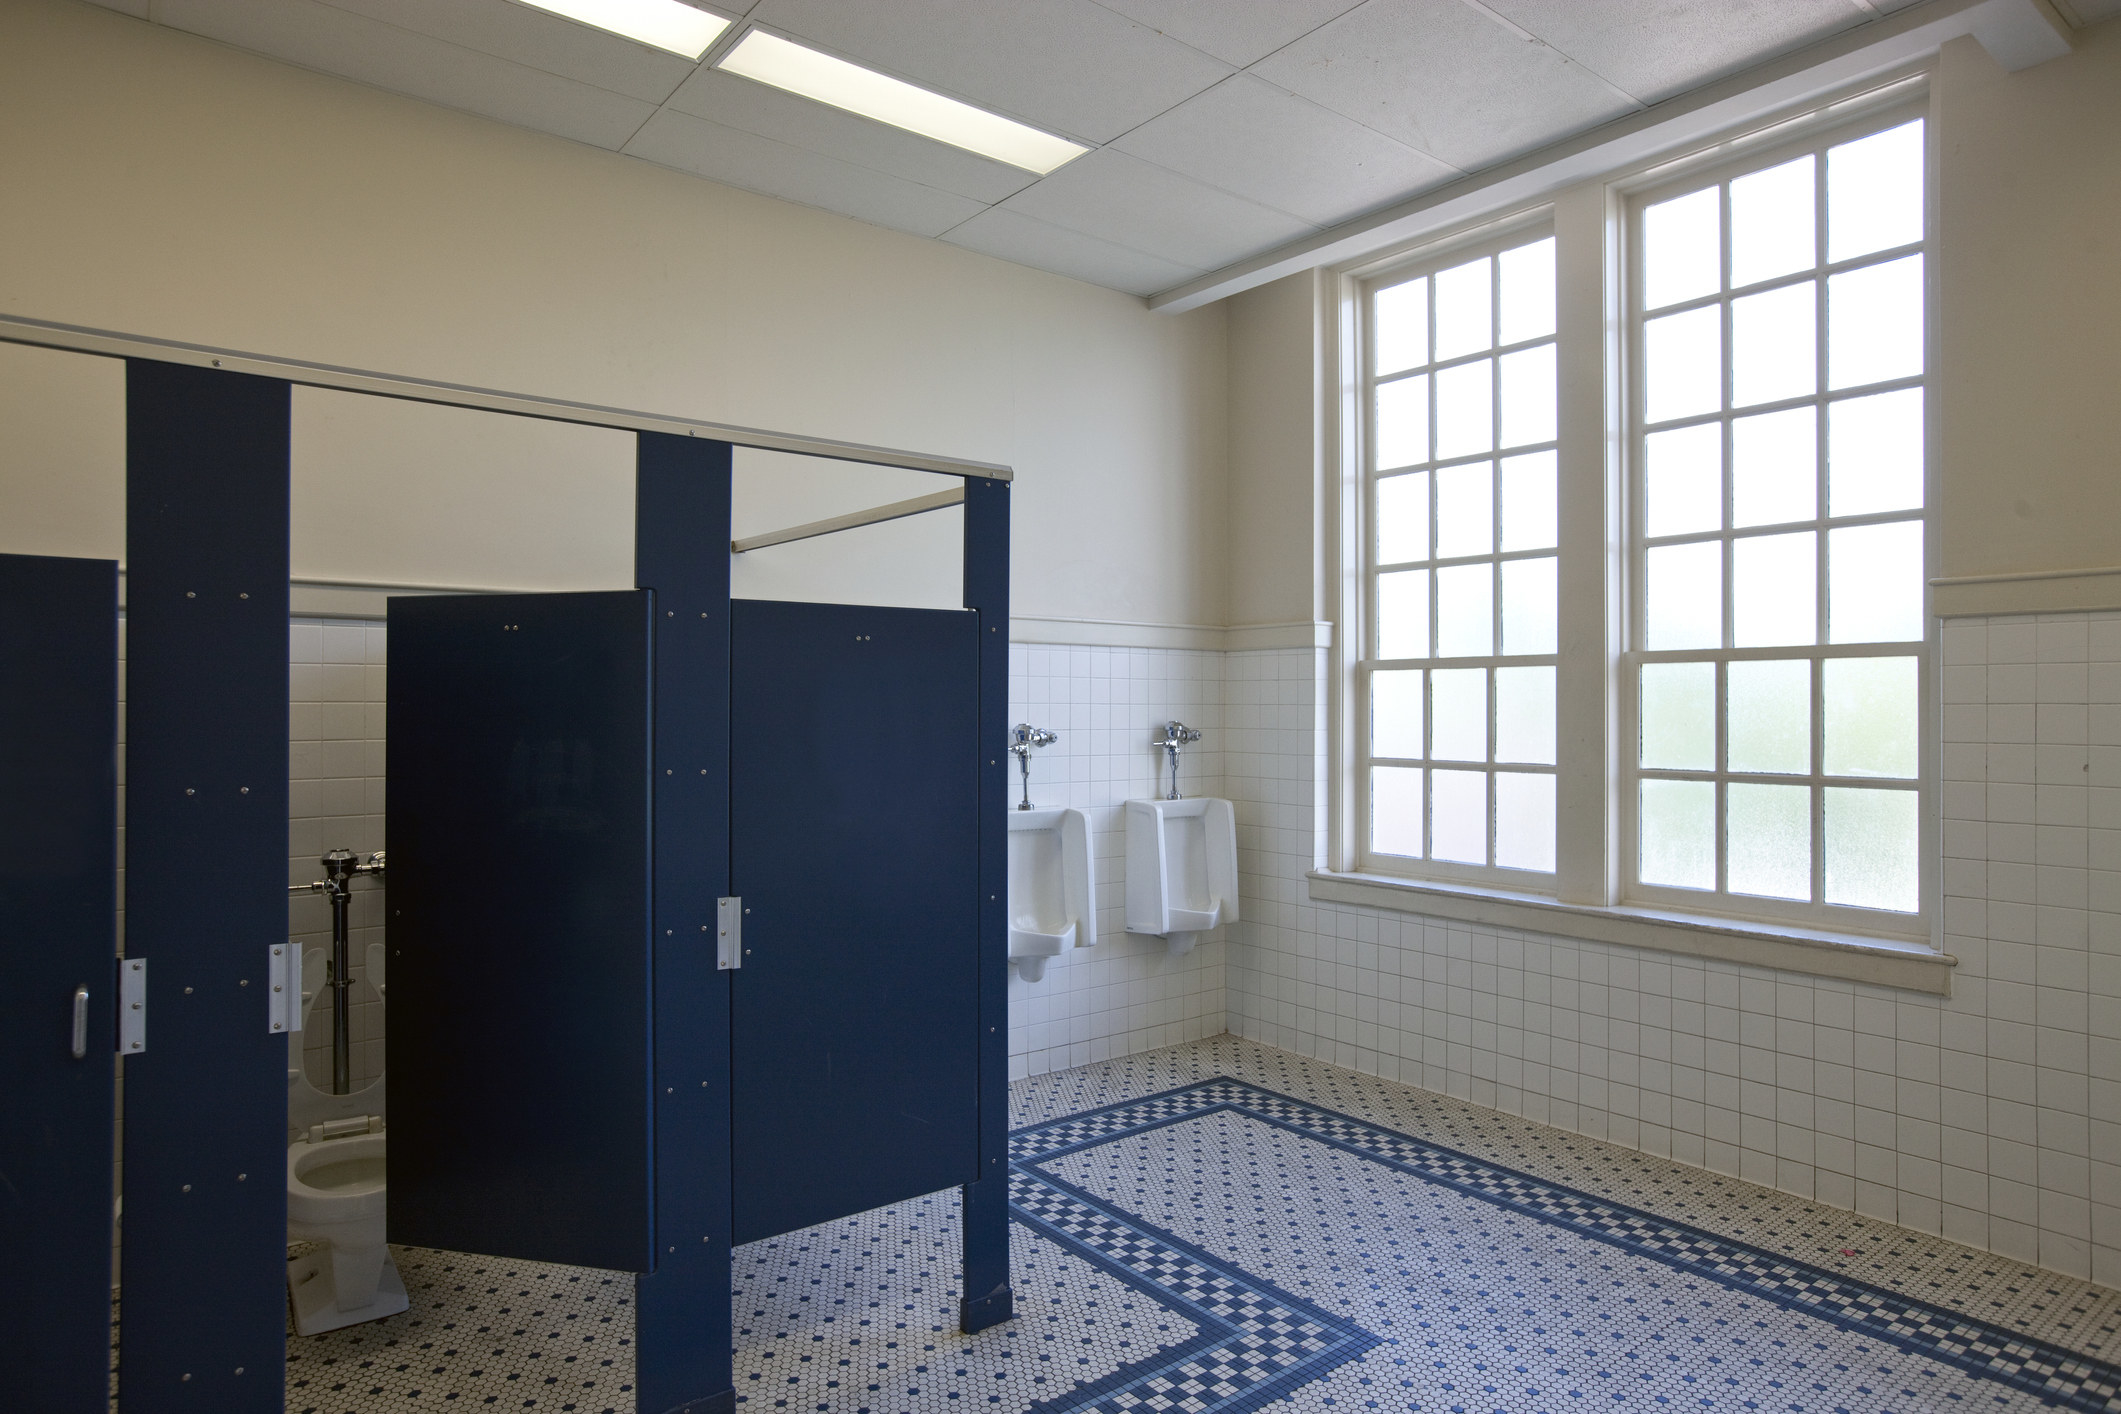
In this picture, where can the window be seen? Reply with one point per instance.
(1778, 622)
(1461, 584)
(1753, 569)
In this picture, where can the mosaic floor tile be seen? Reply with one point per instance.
(1297, 1237)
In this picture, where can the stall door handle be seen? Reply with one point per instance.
(80, 1022)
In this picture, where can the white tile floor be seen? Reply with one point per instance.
(1301, 1234)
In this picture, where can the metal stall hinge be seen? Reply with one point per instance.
(729, 933)
(132, 1006)
(283, 1004)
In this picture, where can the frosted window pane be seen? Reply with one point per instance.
(1685, 357)
(1681, 255)
(1678, 834)
(1871, 714)
(1874, 453)
(1465, 510)
(1403, 423)
(1403, 519)
(1458, 820)
(1874, 192)
(1874, 323)
(1403, 614)
(1395, 714)
(1770, 840)
(1679, 716)
(1874, 586)
(1465, 611)
(1529, 504)
(1775, 467)
(1464, 309)
(1775, 590)
(1685, 490)
(1527, 291)
(1524, 821)
(1771, 222)
(1524, 715)
(1770, 716)
(1458, 708)
(1401, 314)
(1685, 607)
(1774, 348)
(1465, 409)
(1529, 606)
(1395, 811)
(1528, 396)
(1873, 844)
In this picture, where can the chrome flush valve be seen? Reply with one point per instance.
(1175, 736)
(1022, 737)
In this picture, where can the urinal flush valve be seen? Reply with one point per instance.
(1022, 737)
(1176, 735)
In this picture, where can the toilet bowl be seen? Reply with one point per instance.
(335, 1188)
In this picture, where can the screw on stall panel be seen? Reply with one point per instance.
(187, 1189)
(239, 1369)
(189, 791)
(244, 982)
(190, 594)
(240, 1178)
(242, 790)
(187, 992)
(185, 1376)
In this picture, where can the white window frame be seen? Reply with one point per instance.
(1588, 897)
(1491, 244)
(1816, 139)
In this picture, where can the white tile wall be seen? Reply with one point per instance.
(1993, 1117)
(335, 800)
(1127, 993)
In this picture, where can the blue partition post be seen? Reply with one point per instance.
(681, 551)
(987, 1298)
(205, 1297)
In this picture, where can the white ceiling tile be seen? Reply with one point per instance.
(741, 159)
(1013, 236)
(756, 108)
(336, 41)
(1262, 142)
(538, 39)
(1656, 48)
(1072, 66)
(1440, 76)
(1129, 202)
(1239, 32)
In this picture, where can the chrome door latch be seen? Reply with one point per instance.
(729, 934)
(132, 1006)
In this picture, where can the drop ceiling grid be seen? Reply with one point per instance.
(1218, 128)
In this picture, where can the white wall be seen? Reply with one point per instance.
(162, 184)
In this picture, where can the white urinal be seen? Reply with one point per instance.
(1181, 868)
(1052, 896)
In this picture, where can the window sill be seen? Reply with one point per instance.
(1881, 962)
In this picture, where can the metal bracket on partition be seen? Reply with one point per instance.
(729, 933)
(283, 973)
(132, 1006)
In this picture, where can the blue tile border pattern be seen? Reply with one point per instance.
(1259, 1343)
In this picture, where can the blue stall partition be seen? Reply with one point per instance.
(854, 821)
(520, 967)
(205, 1297)
(681, 540)
(58, 862)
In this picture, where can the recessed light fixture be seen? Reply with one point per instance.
(666, 24)
(789, 66)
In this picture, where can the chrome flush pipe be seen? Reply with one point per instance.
(1176, 735)
(1022, 737)
(340, 866)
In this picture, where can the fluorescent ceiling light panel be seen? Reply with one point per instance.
(776, 61)
(666, 24)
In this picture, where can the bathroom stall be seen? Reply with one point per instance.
(695, 906)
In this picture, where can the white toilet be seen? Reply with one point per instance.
(1052, 890)
(335, 1190)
